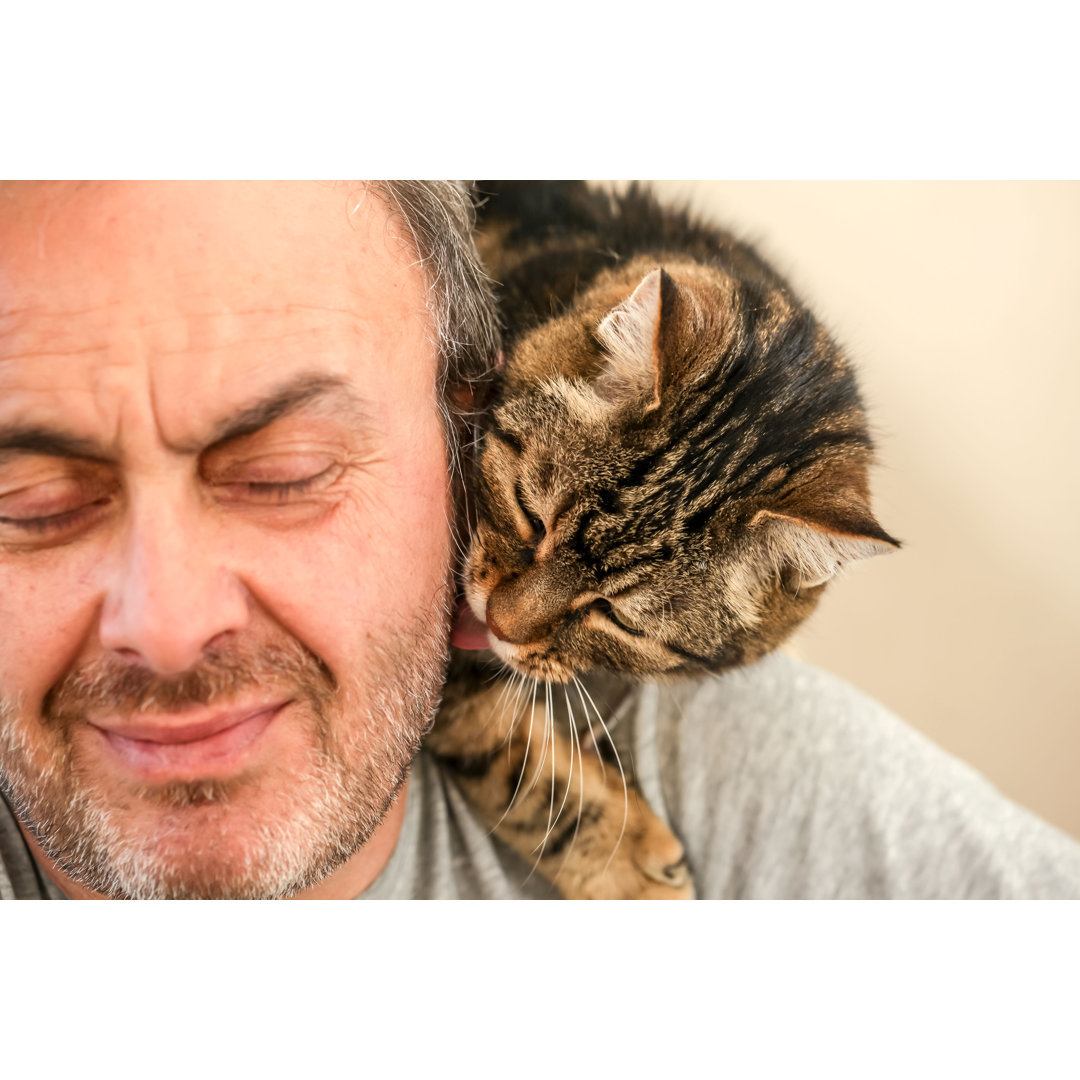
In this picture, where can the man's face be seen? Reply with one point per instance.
(224, 550)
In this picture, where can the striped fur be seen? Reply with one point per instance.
(675, 465)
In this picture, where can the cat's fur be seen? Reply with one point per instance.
(674, 466)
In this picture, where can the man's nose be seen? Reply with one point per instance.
(169, 595)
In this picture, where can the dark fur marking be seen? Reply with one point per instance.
(558, 841)
(470, 766)
(705, 661)
(508, 438)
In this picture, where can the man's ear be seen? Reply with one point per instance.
(475, 396)
(469, 401)
(463, 397)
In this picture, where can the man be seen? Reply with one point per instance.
(224, 514)
(226, 585)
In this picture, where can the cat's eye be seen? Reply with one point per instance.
(539, 530)
(603, 607)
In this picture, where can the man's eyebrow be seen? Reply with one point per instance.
(292, 396)
(38, 440)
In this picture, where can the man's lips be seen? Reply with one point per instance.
(197, 744)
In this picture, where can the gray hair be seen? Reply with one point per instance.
(440, 215)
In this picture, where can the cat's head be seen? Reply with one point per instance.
(674, 471)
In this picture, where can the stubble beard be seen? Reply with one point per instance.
(207, 841)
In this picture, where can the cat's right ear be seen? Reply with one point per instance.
(631, 335)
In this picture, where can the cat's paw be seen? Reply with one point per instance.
(663, 871)
(648, 863)
(655, 866)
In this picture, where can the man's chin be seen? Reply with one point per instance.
(243, 869)
(298, 806)
(188, 845)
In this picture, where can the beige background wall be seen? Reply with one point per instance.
(961, 304)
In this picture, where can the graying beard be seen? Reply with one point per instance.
(299, 845)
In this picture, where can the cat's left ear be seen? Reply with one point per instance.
(811, 543)
(634, 336)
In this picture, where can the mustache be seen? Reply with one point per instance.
(111, 685)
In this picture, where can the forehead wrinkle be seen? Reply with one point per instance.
(255, 335)
(240, 342)
(33, 334)
(34, 323)
(45, 354)
(274, 309)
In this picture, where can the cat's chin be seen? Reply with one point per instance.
(539, 665)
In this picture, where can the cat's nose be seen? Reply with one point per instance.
(519, 633)
(493, 626)
(525, 608)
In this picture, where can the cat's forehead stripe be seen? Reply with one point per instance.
(506, 437)
(730, 438)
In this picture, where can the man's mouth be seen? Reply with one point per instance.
(197, 744)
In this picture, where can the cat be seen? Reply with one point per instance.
(674, 465)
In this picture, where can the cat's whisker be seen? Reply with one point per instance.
(538, 770)
(574, 741)
(524, 701)
(554, 762)
(517, 680)
(503, 692)
(549, 726)
(524, 760)
(523, 697)
(495, 719)
(510, 704)
(592, 731)
(508, 738)
(511, 692)
(528, 738)
(500, 673)
(570, 774)
(622, 776)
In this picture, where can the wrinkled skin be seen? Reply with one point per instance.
(222, 499)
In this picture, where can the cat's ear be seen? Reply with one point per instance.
(631, 334)
(811, 541)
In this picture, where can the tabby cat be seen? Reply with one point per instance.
(674, 466)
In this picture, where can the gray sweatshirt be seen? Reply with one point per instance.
(780, 780)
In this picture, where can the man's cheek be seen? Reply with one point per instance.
(334, 593)
(48, 615)
(404, 517)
